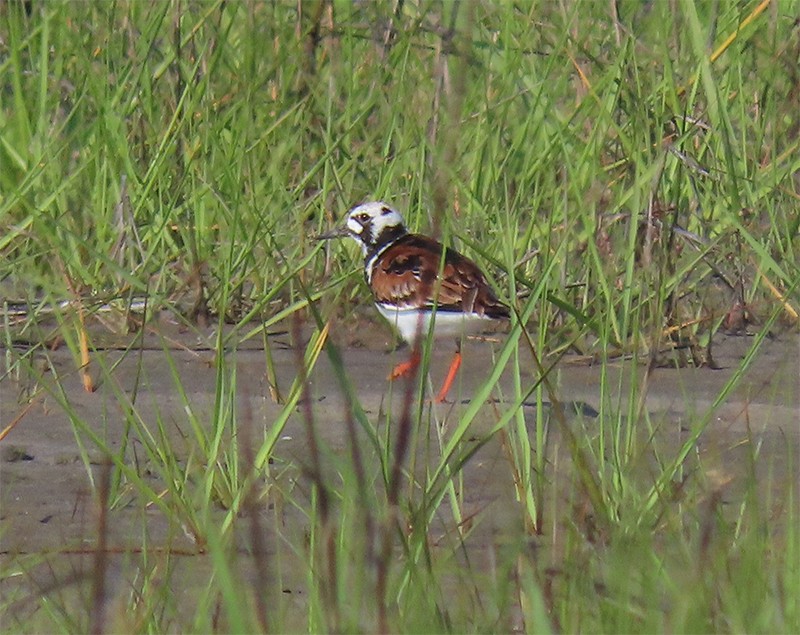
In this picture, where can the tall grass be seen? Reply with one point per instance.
(626, 172)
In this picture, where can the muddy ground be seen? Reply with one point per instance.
(47, 500)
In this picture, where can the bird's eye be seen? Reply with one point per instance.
(362, 218)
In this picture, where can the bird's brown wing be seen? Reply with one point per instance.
(406, 275)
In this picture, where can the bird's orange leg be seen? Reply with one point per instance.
(405, 368)
(451, 375)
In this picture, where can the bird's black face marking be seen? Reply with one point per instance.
(365, 236)
(386, 210)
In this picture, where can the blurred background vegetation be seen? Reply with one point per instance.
(633, 157)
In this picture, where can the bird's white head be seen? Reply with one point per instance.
(372, 225)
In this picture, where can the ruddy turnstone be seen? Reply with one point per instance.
(411, 287)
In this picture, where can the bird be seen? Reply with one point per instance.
(410, 284)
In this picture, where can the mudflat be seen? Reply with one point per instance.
(48, 506)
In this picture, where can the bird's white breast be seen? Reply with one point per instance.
(411, 322)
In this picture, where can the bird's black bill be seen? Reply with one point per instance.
(338, 232)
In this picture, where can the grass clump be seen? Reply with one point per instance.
(626, 172)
